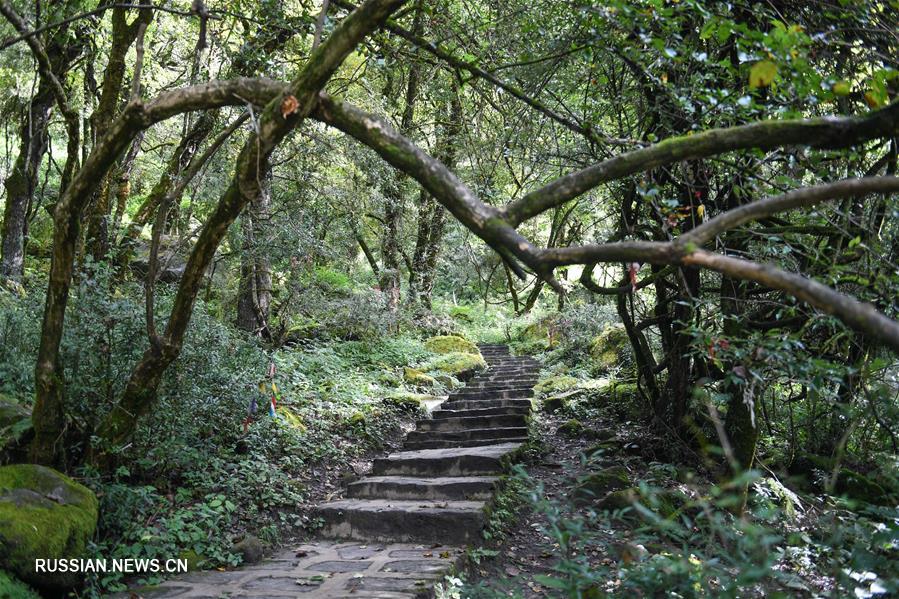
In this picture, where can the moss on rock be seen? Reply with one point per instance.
(444, 344)
(611, 349)
(43, 514)
(417, 377)
(599, 484)
(555, 384)
(559, 401)
(571, 428)
(407, 402)
(459, 364)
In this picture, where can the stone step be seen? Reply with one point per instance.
(514, 393)
(472, 434)
(494, 387)
(460, 461)
(468, 404)
(497, 411)
(440, 443)
(406, 487)
(472, 422)
(395, 520)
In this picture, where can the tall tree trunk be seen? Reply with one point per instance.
(123, 36)
(431, 214)
(21, 182)
(393, 192)
(255, 288)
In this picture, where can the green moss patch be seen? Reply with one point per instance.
(416, 377)
(459, 364)
(444, 344)
(555, 384)
(611, 349)
(43, 514)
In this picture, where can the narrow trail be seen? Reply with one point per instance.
(400, 529)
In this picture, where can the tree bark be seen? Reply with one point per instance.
(22, 181)
(255, 287)
(432, 214)
(123, 36)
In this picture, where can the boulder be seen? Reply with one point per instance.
(599, 484)
(559, 401)
(418, 378)
(407, 402)
(611, 349)
(15, 427)
(444, 344)
(250, 549)
(555, 384)
(572, 428)
(43, 514)
(461, 365)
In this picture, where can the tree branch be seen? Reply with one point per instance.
(824, 132)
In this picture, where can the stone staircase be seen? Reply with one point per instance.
(435, 490)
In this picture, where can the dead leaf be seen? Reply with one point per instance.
(289, 105)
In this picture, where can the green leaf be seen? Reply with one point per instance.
(762, 74)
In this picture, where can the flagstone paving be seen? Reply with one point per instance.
(401, 529)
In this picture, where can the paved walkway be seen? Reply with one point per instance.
(324, 570)
(412, 518)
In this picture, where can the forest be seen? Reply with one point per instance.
(549, 298)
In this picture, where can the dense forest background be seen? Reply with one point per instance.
(686, 209)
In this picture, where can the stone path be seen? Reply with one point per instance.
(411, 518)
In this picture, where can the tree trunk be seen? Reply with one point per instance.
(123, 36)
(21, 183)
(255, 288)
(431, 214)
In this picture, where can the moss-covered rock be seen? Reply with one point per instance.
(555, 384)
(559, 401)
(599, 484)
(444, 344)
(250, 549)
(572, 428)
(357, 419)
(620, 499)
(13, 588)
(416, 377)
(461, 365)
(407, 402)
(15, 426)
(43, 514)
(543, 333)
(611, 349)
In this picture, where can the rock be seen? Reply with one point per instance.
(43, 514)
(559, 401)
(620, 499)
(357, 419)
(15, 427)
(444, 344)
(599, 484)
(406, 402)
(416, 377)
(250, 548)
(543, 334)
(555, 384)
(603, 434)
(192, 558)
(459, 364)
(572, 428)
(611, 349)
